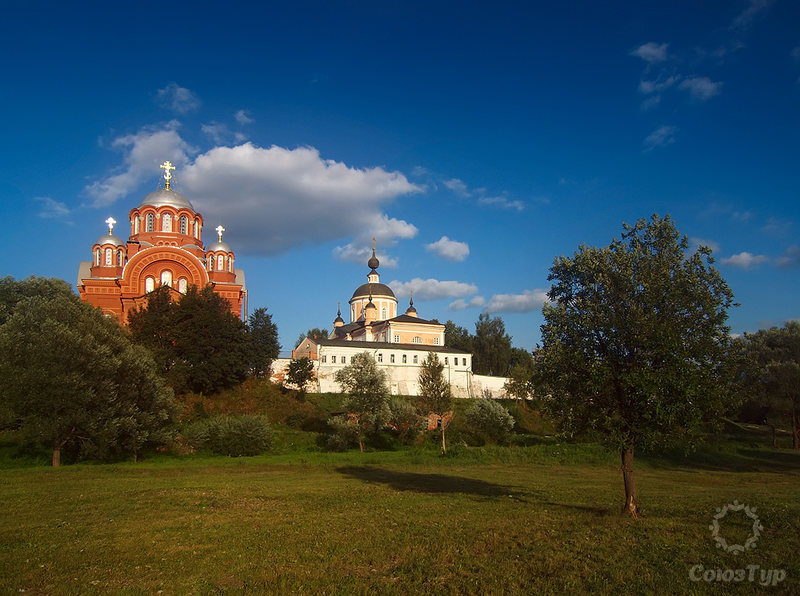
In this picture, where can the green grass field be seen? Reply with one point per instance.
(539, 519)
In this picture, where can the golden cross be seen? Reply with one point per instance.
(110, 221)
(219, 230)
(167, 166)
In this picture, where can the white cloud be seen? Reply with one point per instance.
(243, 118)
(178, 99)
(528, 301)
(660, 137)
(458, 186)
(695, 243)
(361, 252)
(503, 202)
(452, 250)
(144, 152)
(651, 52)
(462, 304)
(432, 289)
(790, 258)
(217, 131)
(52, 209)
(273, 199)
(776, 227)
(648, 87)
(700, 88)
(745, 260)
(744, 19)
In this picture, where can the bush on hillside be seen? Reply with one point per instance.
(234, 436)
(404, 422)
(490, 419)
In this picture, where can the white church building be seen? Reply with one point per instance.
(398, 343)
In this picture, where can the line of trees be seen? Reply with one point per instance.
(490, 346)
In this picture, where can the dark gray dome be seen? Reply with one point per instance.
(373, 289)
(110, 239)
(166, 198)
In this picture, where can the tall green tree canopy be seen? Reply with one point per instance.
(72, 377)
(775, 374)
(634, 343)
(300, 372)
(199, 344)
(491, 347)
(367, 394)
(264, 344)
(12, 291)
(315, 333)
(457, 337)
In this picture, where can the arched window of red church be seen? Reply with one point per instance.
(119, 258)
(184, 225)
(220, 263)
(149, 284)
(97, 257)
(166, 278)
(210, 263)
(135, 224)
(182, 283)
(166, 222)
(150, 223)
(109, 257)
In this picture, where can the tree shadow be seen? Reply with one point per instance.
(430, 483)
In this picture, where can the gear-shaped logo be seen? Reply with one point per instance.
(750, 512)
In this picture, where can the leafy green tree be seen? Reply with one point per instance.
(775, 376)
(435, 395)
(491, 348)
(314, 333)
(457, 337)
(405, 421)
(520, 376)
(12, 291)
(300, 372)
(635, 345)
(367, 394)
(490, 419)
(72, 377)
(200, 345)
(264, 342)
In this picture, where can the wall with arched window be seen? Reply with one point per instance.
(150, 222)
(166, 222)
(149, 284)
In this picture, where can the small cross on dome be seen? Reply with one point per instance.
(219, 230)
(167, 166)
(110, 223)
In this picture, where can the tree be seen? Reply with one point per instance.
(314, 333)
(435, 395)
(200, 345)
(367, 399)
(457, 337)
(491, 419)
(71, 377)
(12, 291)
(520, 376)
(300, 372)
(635, 344)
(491, 347)
(264, 344)
(775, 377)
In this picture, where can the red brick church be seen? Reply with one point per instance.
(165, 247)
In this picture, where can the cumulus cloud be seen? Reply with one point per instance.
(528, 301)
(221, 134)
(745, 260)
(178, 99)
(700, 88)
(243, 118)
(273, 199)
(52, 209)
(458, 186)
(651, 52)
(660, 137)
(432, 289)
(658, 85)
(452, 250)
(361, 252)
(143, 151)
(776, 227)
(790, 258)
(462, 304)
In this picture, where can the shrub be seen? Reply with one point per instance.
(234, 436)
(404, 422)
(344, 434)
(491, 419)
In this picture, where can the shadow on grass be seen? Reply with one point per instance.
(430, 483)
(740, 460)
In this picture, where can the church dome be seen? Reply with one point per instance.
(217, 246)
(110, 239)
(166, 198)
(373, 289)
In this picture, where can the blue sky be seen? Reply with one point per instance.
(477, 141)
